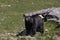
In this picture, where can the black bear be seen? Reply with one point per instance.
(33, 24)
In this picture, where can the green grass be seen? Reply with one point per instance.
(11, 17)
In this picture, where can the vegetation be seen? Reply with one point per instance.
(11, 17)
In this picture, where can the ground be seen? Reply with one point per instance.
(11, 17)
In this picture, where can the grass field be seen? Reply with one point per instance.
(11, 16)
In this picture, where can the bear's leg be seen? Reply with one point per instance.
(22, 33)
(33, 31)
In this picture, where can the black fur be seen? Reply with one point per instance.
(33, 24)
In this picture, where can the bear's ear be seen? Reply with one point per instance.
(23, 15)
(26, 15)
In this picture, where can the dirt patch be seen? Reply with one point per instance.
(57, 37)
